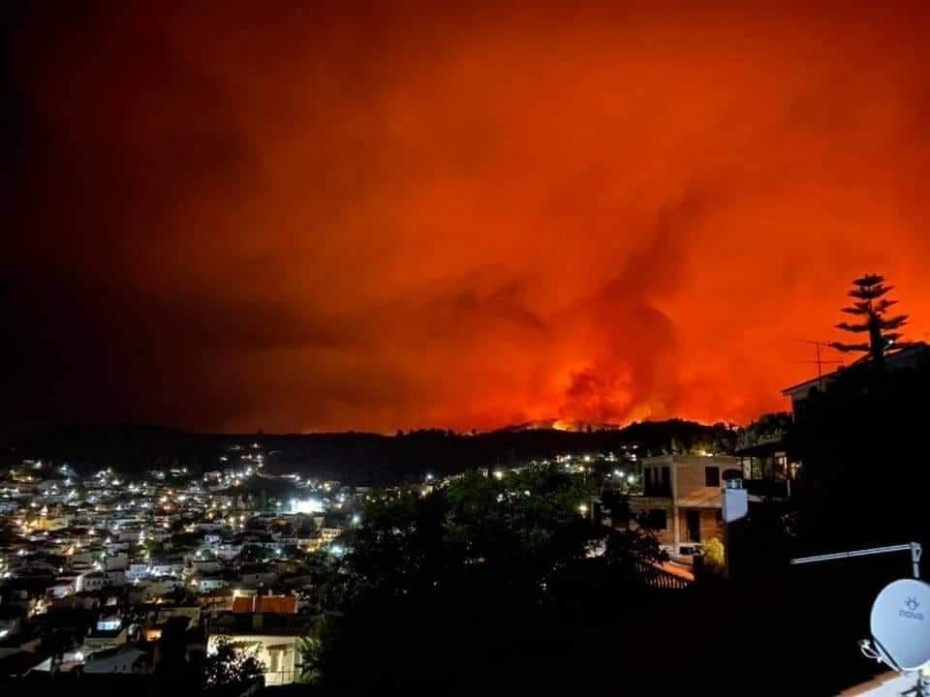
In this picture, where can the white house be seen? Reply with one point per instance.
(277, 652)
(205, 566)
(92, 581)
(137, 571)
(207, 584)
(168, 567)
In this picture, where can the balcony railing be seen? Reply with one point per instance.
(660, 490)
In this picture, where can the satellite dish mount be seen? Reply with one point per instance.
(900, 617)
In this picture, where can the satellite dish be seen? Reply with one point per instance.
(900, 624)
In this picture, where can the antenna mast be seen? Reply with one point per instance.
(820, 360)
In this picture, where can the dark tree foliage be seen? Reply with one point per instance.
(172, 663)
(230, 665)
(8, 533)
(768, 427)
(483, 582)
(870, 308)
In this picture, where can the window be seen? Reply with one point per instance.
(712, 476)
(274, 665)
(657, 519)
(658, 481)
(693, 525)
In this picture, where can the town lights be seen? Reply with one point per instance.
(306, 506)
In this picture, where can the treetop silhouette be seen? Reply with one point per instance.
(871, 308)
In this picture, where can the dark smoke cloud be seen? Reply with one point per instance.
(305, 216)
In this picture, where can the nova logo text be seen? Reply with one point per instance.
(910, 610)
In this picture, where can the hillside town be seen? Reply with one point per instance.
(125, 557)
(94, 569)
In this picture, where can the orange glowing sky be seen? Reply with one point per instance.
(262, 215)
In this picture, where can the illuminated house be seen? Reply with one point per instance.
(108, 633)
(273, 604)
(767, 470)
(682, 498)
(267, 626)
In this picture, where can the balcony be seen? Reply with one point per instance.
(658, 489)
(768, 488)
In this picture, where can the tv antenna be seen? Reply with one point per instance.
(819, 360)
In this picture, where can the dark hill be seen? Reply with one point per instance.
(354, 457)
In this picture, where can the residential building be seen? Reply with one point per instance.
(768, 472)
(208, 584)
(91, 582)
(107, 634)
(273, 638)
(191, 612)
(682, 498)
(909, 357)
(275, 604)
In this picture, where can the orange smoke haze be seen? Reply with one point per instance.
(268, 216)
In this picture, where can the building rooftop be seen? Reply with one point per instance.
(905, 357)
(260, 624)
(271, 604)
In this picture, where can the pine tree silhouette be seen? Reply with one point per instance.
(871, 307)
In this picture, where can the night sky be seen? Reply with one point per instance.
(332, 215)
